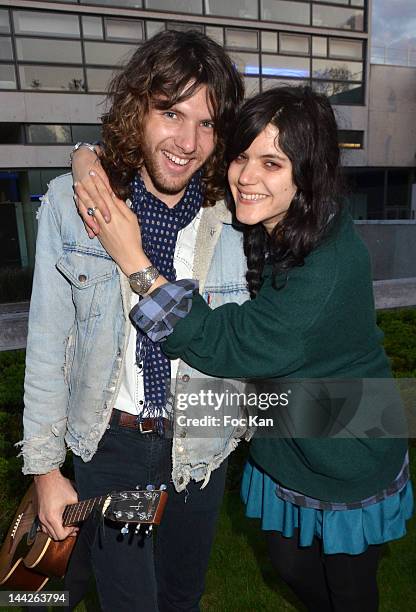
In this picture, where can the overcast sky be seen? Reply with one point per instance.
(394, 23)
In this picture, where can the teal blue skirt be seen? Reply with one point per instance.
(341, 531)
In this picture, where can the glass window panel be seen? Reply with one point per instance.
(7, 77)
(246, 9)
(246, 63)
(29, 22)
(270, 83)
(345, 2)
(319, 46)
(357, 3)
(216, 34)
(285, 12)
(11, 133)
(4, 22)
(126, 29)
(47, 50)
(42, 133)
(99, 78)
(285, 66)
(337, 70)
(154, 27)
(52, 78)
(334, 17)
(241, 38)
(251, 86)
(130, 3)
(6, 49)
(86, 133)
(176, 6)
(351, 49)
(107, 54)
(294, 43)
(92, 27)
(269, 41)
(340, 93)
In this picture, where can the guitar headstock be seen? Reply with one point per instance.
(142, 506)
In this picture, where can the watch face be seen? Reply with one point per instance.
(136, 286)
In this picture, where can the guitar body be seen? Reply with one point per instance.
(28, 557)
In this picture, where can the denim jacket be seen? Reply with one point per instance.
(78, 332)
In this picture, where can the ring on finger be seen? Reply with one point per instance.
(91, 211)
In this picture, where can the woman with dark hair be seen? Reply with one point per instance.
(326, 504)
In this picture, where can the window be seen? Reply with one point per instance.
(107, 54)
(86, 133)
(244, 39)
(334, 17)
(126, 3)
(7, 77)
(11, 133)
(6, 49)
(49, 50)
(176, 6)
(245, 9)
(269, 41)
(340, 93)
(294, 44)
(337, 70)
(48, 24)
(350, 139)
(285, 66)
(4, 22)
(350, 49)
(216, 34)
(98, 79)
(92, 27)
(285, 12)
(247, 63)
(123, 29)
(50, 78)
(48, 134)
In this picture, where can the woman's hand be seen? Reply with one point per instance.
(88, 173)
(120, 237)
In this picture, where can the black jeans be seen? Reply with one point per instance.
(131, 574)
(326, 583)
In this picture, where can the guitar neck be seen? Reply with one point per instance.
(75, 513)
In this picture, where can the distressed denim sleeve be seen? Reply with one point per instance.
(51, 320)
(157, 314)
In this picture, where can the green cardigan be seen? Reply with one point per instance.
(320, 325)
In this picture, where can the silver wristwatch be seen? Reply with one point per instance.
(86, 145)
(142, 280)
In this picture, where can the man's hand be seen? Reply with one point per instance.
(86, 167)
(54, 492)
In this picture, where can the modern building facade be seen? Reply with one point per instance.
(56, 59)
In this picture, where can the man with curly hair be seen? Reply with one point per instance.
(93, 383)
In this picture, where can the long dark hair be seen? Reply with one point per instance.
(172, 65)
(308, 136)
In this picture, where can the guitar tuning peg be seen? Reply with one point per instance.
(137, 530)
(163, 487)
(124, 530)
(148, 531)
(150, 487)
(129, 515)
(138, 487)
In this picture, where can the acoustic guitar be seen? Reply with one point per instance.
(29, 557)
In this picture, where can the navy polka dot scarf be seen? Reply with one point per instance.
(159, 228)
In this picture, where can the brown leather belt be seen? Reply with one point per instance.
(148, 425)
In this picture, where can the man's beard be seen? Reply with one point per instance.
(156, 175)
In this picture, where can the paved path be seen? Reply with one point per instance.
(13, 317)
